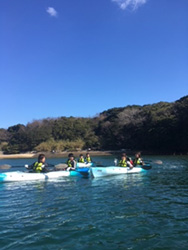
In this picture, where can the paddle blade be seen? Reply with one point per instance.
(60, 166)
(154, 161)
(5, 166)
(146, 166)
(158, 162)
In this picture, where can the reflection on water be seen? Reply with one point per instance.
(135, 211)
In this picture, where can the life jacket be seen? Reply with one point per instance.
(37, 168)
(81, 160)
(138, 161)
(88, 159)
(122, 163)
(70, 164)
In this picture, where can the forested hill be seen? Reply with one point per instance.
(160, 128)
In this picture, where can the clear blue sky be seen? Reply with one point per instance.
(79, 58)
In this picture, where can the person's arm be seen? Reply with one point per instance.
(74, 165)
(30, 167)
(129, 164)
(134, 162)
(45, 167)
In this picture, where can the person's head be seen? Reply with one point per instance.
(138, 155)
(81, 156)
(123, 156)
(87, 155)
(41, 158)
(71, 156)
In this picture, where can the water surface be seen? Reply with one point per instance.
(135, 211)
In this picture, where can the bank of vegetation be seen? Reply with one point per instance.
(157, 128)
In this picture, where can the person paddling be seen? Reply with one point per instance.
(81, 159)
(71, 162)
(138, 160)
(88, 158)
(124, 162)
(39, 166)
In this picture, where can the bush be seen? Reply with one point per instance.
(59, 146)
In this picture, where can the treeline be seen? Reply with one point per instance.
(49, 135)
(157, 128)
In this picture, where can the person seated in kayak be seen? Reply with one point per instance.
(138, 160)
(71, 163)
(39, 166)
(81, 158)
(124, 162)
(88, 158)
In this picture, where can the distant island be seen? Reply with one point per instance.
(160, 128)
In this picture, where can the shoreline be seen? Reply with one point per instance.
(17, 156)
(54, 155)
(77, 153)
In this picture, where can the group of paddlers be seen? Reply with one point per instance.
(128, 162)
(41, 166)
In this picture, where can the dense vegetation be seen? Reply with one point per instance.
(160, 128)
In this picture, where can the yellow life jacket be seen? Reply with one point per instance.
(37, 168)
(122, 163)
(138, 161)
(88, 159)
(69, 163)
(81, 160)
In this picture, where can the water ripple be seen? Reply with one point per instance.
(123, 212)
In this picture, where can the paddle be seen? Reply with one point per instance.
(146, 167)
(159, 162)
(5, 166)
(60, 166)
(57, 167)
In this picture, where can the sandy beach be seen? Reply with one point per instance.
(17, 156)
(53, 155)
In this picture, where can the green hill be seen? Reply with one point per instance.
(157, 128)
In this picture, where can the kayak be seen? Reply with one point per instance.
(82, 171)
(84, 165)
(115, 170)
(26, 176)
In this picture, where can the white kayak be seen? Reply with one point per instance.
(114, 170)
(25, 176)
(30, 176)
(84, 164)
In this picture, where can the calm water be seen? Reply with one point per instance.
(138, 211)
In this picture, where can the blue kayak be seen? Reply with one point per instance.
(80, 172)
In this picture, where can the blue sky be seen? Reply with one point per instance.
(79, 58)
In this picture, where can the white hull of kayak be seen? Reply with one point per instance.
(84, 165)
(22, 176)
(113, 170)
